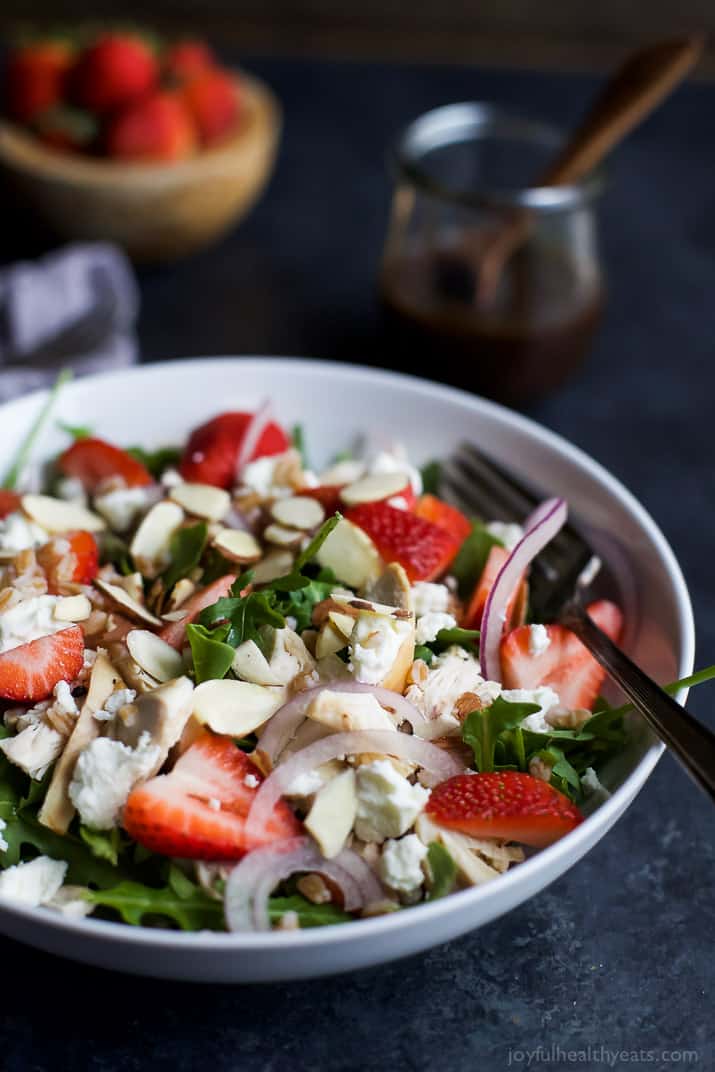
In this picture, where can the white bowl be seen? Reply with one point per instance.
(156, 405)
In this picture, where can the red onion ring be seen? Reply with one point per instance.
(541, 527)
(438, 764)
(283, 725)
(252, 881)
(253, 433)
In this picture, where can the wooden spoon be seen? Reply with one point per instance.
(632, 93)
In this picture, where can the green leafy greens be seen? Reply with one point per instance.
(186, 548)
(17, 468)
(156, 461)
(469, 564)
(442, 869)
(181, 901)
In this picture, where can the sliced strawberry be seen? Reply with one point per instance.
(212, 451)
(94, 460)
(76, 564)
(423, 548)
(30, 672)
(447, 517)
(475, 609)
(199, 810)
(174, 633)
(9, 502)
(565, 665)
(504, 804)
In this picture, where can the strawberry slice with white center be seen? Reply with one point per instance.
(565, 664)
(29, 672)
(198, 811)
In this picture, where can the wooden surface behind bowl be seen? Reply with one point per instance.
(157, 212)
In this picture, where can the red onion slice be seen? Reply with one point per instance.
(252, 881)
(541, 527)
(254, 431)
(435, 761)
(283, 725)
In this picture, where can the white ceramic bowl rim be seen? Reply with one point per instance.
(573, 846)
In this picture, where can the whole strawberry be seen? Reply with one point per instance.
(114, 71)
(187, 58)
(35, 78)
(212, 99)
(156, 128)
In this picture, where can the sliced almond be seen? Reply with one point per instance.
(58, 515)
(392, 588)
(150, 546)
(274, 564)
(237, 546)
(73, 609)
(332, 815)
(298, 512)
(344, 712)
(374, 488)
(154, 655)
(174, 616)
(236, 707)
(329, 641)
(342, 473)
(202, 500)
(343, 622)
(351, 555)
(133, 585)
(282, 536)
(181, 591)
(125, 602)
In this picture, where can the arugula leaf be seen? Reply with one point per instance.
(472, 557)
(114, 551)
(76, 431)
(424, 653)
(156, 461)
(442, 869)
(297, 436)
(465, 638)
(431, 474)
(309, 914)
(186, 547)
(482, 728)
(312, 549)
(300, 602)
(17, 467)
(180, 901)
(212, 656)
(104, 844)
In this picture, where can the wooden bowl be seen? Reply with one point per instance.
(157, 212)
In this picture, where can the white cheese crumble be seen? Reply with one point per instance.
(387, 804)
(17, 533)
(71, 489)
(64, 700)
(259, 475)
(29, 620)
(450, 676)
(429, 625)
(118, 699)
(544, 696)
(400, 865)
(3, 843)
(507, 533)
(395, 460)
(171, 478)
(593, 787)
(430, 598)
(105, 774)
(374, 643)
(539, 639)
(122, 507)
(250, 781)
(33, 883)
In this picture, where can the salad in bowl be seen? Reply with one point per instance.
(239, 694)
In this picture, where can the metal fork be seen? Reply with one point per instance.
(559, 577)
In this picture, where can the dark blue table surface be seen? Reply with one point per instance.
(618, 954)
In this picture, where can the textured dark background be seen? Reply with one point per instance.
(619, 952)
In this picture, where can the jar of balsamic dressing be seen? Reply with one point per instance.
(488, 281)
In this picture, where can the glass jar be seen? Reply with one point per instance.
(463, 183)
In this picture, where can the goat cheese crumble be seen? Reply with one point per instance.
(29, 620)
(400, 865)
(33, 883)
(374, 644)
(104, 776)
(429, 625)
(387, 804)
(507, 533)
(17, 533)
(539, 639)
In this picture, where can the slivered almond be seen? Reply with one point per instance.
(133, 585)
(150, 545)
(154, 655)
(298, 512)
(181, 592)
(237, 546)
(73, 609)
(125, 602)
(282, 536)
(374, 488)
(58, 515)
(202, 500)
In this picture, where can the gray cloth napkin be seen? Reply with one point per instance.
(75, 308)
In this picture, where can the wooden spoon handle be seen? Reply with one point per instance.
(638, 87)
(634, 91)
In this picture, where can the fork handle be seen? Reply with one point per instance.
(691, 741)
